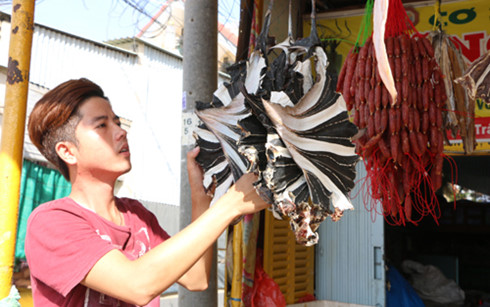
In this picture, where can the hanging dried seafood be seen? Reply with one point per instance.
(295, 133)
(476, 79)
(219, 133)
(459, 109)
(310, 157)
(394, 88)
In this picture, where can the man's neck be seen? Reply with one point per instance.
(95, 195)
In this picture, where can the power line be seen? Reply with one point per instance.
(140, 9)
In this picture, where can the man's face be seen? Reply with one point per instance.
(102, 149)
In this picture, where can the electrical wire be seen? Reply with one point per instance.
(141, 8)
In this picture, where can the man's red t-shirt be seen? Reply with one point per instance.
(64, 240)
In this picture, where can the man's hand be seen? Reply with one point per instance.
(243, 196)
(200, 199)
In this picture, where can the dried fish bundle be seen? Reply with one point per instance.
(287, 124)
(227, 123)
(310, 156)
(219, 132)
(317, 134)
(458, 112)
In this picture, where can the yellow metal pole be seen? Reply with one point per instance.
(236, 282)
(13, 124)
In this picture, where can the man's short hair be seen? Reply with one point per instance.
(56, 116)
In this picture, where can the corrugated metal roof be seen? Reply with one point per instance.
(6, 17)
(137, 40)
(56, 57)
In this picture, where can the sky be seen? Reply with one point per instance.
(103, 20)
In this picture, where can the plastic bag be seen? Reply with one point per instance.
(266, 292)
(12, 300)
(431, 284)
(400, 293)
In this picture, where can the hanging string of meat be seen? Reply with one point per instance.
(287, 124)
(401, 139)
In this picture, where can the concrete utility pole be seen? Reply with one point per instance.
(17, 86)
(200, 81)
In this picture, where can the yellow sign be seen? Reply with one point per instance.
(467, 22)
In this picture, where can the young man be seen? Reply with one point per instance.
(94, 249)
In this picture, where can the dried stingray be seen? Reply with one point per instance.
(476, 79)
(310, 157)
(287, 124)
(219, 133)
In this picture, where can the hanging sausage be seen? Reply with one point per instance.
(395, 90)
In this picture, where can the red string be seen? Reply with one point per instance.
(398, 21)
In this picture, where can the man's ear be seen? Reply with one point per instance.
(66, 151)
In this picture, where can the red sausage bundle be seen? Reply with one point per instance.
(401, 141)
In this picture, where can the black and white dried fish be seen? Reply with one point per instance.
(219, 133)
(310, 157)
(288, 125)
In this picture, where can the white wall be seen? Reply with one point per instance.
(144, 86)
(139, 89)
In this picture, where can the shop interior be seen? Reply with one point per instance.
(458, 243)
